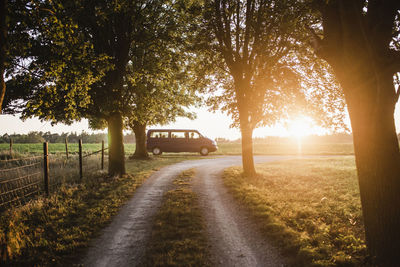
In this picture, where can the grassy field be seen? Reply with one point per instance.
(48, 231)
(288, 148)
(310, 207)
(58, 148)
(178, 235)
(223, 148)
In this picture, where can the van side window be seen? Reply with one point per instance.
(178, 135)
(159, 135)
(194, 135)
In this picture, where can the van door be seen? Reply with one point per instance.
(178, 141)
(158, 139)
(195, 141)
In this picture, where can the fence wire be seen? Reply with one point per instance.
(92, 162)
(22, 179)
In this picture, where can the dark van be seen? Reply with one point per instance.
(173, 140)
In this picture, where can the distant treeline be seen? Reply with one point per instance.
(39, 137)
(87, 138)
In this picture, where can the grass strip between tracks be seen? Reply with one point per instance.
(178, 235)
(309, 207)
(52, 231)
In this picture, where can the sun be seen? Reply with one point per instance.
(300, 127)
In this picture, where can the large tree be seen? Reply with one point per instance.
(360, 40)
(60, 78)
(161, 79)
(250, 45)
(111, 27)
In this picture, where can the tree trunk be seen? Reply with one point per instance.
(116, 164)
(370, 100)
(140, 139)
(3, 47)
(356, 46)
(247, 136)
(247, 150)
(242, 85)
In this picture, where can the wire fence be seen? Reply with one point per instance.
(24, 178)
(20, 179)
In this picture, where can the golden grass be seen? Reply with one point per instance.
(178, 237)
(289, 148)
(310, 207)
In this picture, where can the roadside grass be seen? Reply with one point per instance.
(178, 235)
(290, 148)
(50, 231)
(310, 207)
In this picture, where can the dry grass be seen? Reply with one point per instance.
(289, 148)
(178, 237)
(310, 207)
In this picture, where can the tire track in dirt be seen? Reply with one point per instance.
(123, 242)
(234, 242)
(233, 237)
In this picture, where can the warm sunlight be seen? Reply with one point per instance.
(300, 127)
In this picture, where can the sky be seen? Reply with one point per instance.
(210, 124)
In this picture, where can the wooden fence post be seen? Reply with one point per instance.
(80, 159)
(66, 146)
(102, 155)
(46, 167)
(11, 145)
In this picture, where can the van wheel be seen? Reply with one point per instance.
(204, 151)
(157, 151)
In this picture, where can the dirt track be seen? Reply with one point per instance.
(233, 239)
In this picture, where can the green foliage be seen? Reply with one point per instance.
(51, 66)
(178, 235)
(159, 75)
(310, 207)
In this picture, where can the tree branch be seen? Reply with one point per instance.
(249, 20)
(220, 34)
(227, 30)
(316, 41)
(381, 15)
(394, 61)
(398, 88)
(237, 26)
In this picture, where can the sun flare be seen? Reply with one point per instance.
(300, 127)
